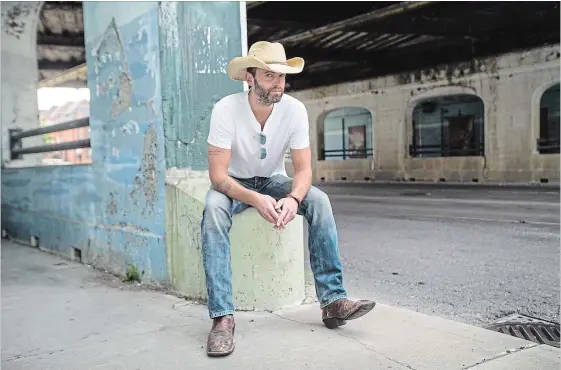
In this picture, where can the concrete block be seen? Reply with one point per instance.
(267, 266)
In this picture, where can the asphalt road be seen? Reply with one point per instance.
(471, 254)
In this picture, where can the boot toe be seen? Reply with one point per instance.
(220, 343)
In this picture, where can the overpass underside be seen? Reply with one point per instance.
(345, 41)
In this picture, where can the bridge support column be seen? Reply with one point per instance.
(197, 40)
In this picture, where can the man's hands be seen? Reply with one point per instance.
(278, 213)
(265, 205)
(288, 207)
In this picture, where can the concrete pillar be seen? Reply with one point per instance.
(19, 76)
(198, 39)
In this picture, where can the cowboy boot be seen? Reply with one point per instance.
(338, 312)
(221, 337)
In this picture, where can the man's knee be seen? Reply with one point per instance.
(318, 200)
(217, 205)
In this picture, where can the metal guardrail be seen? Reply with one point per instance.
(548, 146)
(348, 153)
(444, 151)
(17, 151)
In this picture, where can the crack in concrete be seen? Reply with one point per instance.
(365, 345)
(286, 318)
(500, 355)
(19, 357)
(103, 339)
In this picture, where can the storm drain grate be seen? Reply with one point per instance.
(529, 328)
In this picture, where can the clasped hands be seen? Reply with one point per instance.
(278, 213)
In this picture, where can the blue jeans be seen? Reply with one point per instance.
(215, 230)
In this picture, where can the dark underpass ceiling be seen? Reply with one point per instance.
(352, 40)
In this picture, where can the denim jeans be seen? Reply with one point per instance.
(322, 241)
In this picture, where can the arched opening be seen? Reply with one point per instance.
(448, 126)
(548, 143)
(347, 134)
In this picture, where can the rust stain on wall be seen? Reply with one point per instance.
(145, 181)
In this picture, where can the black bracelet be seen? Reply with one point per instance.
(295, 198)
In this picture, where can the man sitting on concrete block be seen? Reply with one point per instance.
(249, 134)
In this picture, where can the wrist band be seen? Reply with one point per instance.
(295, 198)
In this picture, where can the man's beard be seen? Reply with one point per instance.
(265, 97)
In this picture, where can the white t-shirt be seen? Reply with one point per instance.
(234, 126)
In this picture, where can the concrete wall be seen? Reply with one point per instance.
(113, 209)
(19, 75)
(510, 87)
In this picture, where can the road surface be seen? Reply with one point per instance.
(472, 254)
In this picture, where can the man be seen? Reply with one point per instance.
(249, 135)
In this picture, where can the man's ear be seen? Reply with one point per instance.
(248, 78)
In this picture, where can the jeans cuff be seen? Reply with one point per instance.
(332, 299)
(214, 315)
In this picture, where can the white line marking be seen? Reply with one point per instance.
(427, 199)
(491, 220)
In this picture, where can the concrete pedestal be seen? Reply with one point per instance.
(267, 266)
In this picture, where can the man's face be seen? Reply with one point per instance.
(268, 86)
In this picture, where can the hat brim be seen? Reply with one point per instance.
(238, 66)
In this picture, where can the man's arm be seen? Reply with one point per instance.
(301, 183)
(302, 178)
(218, 162)
(301, 153)
(302, 162)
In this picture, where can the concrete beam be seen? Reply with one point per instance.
(69, 77)
(370, 17)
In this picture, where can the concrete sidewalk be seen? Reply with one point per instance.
(58, 314)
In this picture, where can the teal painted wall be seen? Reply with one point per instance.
(127, 135)
(197, 41)
(113, 209)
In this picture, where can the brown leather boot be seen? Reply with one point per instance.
(221, 337)
(338, 312)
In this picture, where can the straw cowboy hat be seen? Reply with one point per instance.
(266, 55)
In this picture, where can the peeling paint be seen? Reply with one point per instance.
(146, 180)
(14, 16)
(449, 72)
(124, 95)
(112, 205)
(110, 51)
(88, 206)
(210, 43)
